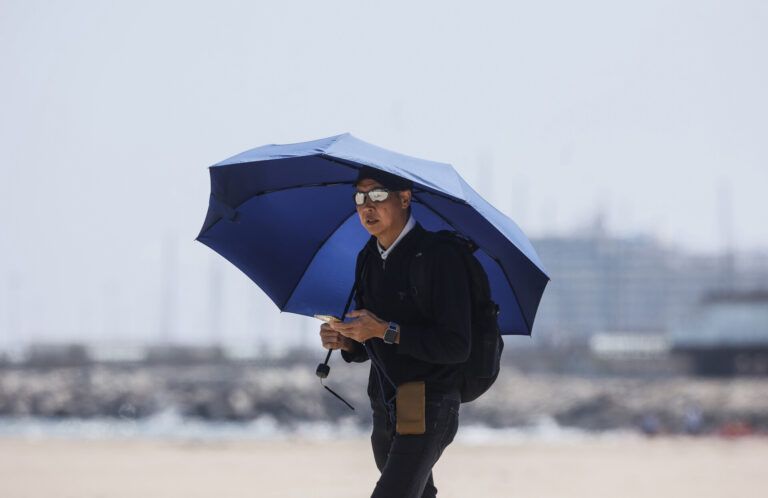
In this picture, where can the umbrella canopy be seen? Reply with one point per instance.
(285, 216)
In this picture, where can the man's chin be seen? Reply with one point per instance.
(374, 230)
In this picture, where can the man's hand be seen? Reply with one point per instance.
(333, 340)
(365, 327)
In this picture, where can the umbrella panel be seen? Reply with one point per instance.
(327, 282)
(277, 235)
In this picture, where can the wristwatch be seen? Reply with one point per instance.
(390, 335)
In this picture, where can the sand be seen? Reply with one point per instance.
(601, 467)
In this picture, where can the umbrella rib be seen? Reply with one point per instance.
(309, 262)
(494, 258)
(322, 184)
(332, 159)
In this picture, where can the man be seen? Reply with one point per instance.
(415, 353)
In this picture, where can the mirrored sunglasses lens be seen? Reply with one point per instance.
(359, 198)
(378, 195)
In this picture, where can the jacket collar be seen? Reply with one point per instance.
(408, 227)
(411, 237)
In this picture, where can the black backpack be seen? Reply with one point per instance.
(479, 372)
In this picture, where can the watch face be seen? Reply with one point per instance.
(390, 335)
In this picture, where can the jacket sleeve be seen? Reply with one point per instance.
(446, 338)
(359, 354)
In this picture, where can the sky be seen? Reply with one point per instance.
(653, 114)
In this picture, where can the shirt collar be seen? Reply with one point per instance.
(408, 226)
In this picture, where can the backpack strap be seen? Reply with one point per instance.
(416, 276)
(418, 285)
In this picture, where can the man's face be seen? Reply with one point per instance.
(381, 219)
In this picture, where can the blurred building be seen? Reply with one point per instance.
(629, 285)
(57, 355)
(117, 352)
(179, 354)
(726, 334)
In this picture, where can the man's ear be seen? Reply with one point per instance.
(405, 198)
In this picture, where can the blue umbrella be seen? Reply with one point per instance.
(284, 215)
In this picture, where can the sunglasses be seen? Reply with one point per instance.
(378, 194)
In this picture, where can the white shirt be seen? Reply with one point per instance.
(407, 228)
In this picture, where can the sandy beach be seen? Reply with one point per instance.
(600, 467)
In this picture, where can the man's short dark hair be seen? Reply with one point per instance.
(387, 180)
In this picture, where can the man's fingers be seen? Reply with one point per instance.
(356, 313)
(344, 328)
(339, 326)
(330, 338)
(350, 324)
(331, 342)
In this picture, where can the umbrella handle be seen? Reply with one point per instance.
(323, 369)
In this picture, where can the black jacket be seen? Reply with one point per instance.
(434, 341)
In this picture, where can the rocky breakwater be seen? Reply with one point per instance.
(673, 404)
(220, 391)
(291, 393)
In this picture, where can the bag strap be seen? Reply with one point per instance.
(417, 270)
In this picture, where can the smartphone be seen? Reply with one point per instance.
(328, 318)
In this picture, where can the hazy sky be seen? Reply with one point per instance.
(653, 112)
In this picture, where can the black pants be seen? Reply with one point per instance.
(406, 461)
